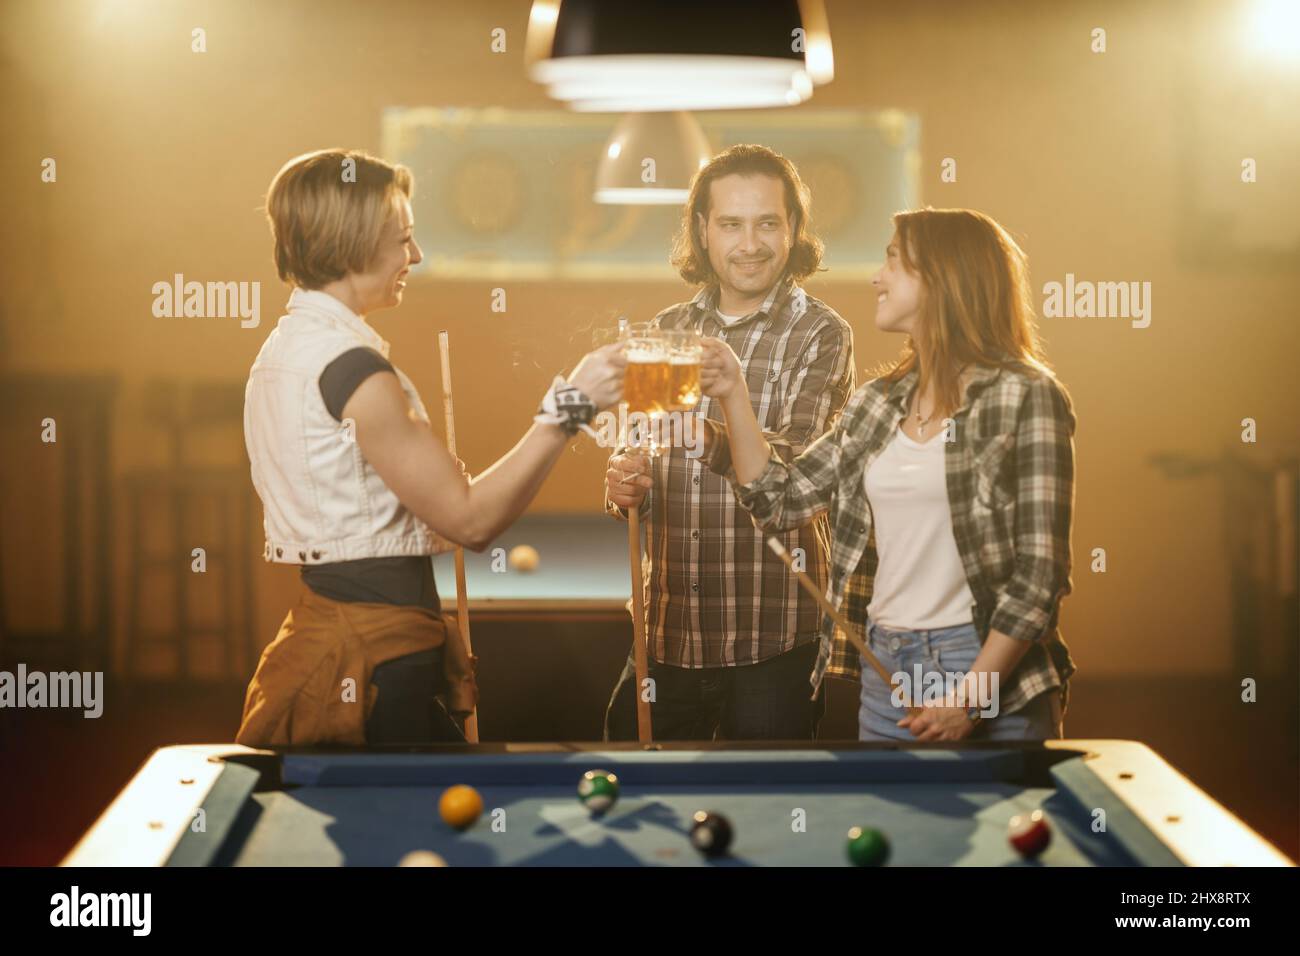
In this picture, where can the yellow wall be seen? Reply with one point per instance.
(164, 155)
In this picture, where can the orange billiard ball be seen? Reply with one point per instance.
(460, 806)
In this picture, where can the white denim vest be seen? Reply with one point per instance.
(321, 500)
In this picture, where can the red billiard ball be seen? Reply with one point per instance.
(1029, 834)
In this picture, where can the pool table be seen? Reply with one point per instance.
(938, 806)
(552, 642)
(583, 572)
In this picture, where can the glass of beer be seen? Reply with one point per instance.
(646, 381)
(684, 355)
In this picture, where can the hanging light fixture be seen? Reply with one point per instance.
(651, 159)
(668, 55)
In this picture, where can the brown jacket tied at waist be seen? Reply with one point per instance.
(312, 683)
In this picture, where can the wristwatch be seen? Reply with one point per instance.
(566, 406)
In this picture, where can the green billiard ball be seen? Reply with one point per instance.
(598, 790)
(867, 847)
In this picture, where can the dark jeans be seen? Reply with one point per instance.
(406, 710)
(771, 700)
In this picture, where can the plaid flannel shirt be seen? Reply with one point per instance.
(1010, 477)
(715, 595)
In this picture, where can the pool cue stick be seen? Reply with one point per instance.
(462, 605)
(640, 662)
(644, 730)
(841, 621)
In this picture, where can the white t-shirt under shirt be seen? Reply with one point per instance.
(920, 583)
(728, 319)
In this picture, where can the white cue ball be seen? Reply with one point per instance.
(422, 858)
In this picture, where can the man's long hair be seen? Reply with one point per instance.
(692, 260)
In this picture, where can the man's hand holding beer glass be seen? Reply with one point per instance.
(720, 373)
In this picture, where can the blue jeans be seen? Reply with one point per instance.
(944, 650)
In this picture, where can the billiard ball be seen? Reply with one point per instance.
(867, 847)
(598, 790)
(460, 806)
(1029, 834)
(524, 558)
(422, 858)
(711, 833)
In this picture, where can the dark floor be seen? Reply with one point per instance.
(60, 771)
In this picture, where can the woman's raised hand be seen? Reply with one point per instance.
(599, 375)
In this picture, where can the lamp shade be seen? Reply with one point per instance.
(670, 55)
(651, 159)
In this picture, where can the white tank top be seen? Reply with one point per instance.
(920, 583)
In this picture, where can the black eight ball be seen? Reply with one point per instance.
(711, 833)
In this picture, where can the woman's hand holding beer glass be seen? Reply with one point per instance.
(599, 375)
(720, 373)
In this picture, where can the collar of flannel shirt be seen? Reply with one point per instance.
(983, 376)
(706, 302)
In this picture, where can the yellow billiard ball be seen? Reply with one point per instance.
(524, 557)
(460, 806)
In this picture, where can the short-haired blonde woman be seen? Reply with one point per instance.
(356, 487)
(950, 485)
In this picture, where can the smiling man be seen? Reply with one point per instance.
(732, 637)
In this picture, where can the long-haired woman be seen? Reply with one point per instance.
(949, 480)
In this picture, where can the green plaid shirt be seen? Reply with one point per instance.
(1010, 476)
